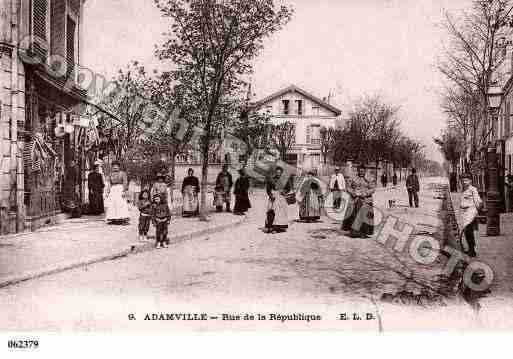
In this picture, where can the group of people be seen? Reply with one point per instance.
(384, 179)
(153, 203)
(311, 201)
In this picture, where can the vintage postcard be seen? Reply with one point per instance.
(285, 165)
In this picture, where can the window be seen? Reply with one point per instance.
(269, 109)
(286, 105)
(299, 104)
(315, 110)
(315, 134)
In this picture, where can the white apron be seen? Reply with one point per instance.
(116, 206)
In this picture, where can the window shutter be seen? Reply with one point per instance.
(39, 12)
(70, 45)
(308, 133)
(57, 27)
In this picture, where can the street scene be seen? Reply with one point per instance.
(195, 173)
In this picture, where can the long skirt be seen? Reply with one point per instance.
(310, 207)
(361, 220)
(242, 203)
(117, 206)
(96, 206)
(190, 202)
(279, 205)
(221, 197)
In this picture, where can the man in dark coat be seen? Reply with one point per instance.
(224, 183)
(413, 187)
(96, 186)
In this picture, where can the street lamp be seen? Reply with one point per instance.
(492, 195)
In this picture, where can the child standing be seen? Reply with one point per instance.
(145, 213)
(161, 218)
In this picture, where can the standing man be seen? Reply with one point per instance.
(394, 179)
(413, 187)
(470, 205)
(96, 185)
(224, 183)
(337, 185)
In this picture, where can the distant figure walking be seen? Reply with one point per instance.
(394, 179)
(337, 186)
(241, 192)
(470, 204)
(413, 187)
(384, 179)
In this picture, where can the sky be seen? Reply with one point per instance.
(348, 48)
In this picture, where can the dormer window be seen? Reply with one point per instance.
(286, 107)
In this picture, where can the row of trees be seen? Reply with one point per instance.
(210, 48)
(470, 63)
(372, 134)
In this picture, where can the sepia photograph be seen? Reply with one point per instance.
(174, 166)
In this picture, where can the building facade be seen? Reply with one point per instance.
(44, 138)
(309, 114)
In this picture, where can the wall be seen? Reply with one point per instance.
(324, 118)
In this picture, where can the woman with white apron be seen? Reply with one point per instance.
(116, 204)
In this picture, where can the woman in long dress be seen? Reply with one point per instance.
(310, 206)
(116, 203)
(241, 189)
(190, 190)
(277, 203)
(361, 191)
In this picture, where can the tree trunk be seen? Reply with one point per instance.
(172, 157)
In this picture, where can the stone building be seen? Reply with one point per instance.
(41, 131)
(309, 114)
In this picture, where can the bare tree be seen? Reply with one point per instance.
(212, 44)
(283, 137)
(470, 59)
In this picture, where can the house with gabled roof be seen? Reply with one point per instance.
(309, 114)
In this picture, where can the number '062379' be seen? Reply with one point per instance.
(23, 344)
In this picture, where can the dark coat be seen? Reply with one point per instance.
(412, 183)
(191, 181)
(242, 203)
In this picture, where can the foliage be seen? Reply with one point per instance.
(212, 44)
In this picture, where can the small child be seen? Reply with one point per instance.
(161, 218)
(145, 213)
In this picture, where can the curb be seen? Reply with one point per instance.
(134, 249)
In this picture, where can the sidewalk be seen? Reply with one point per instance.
(497, 252)
(80, 242)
